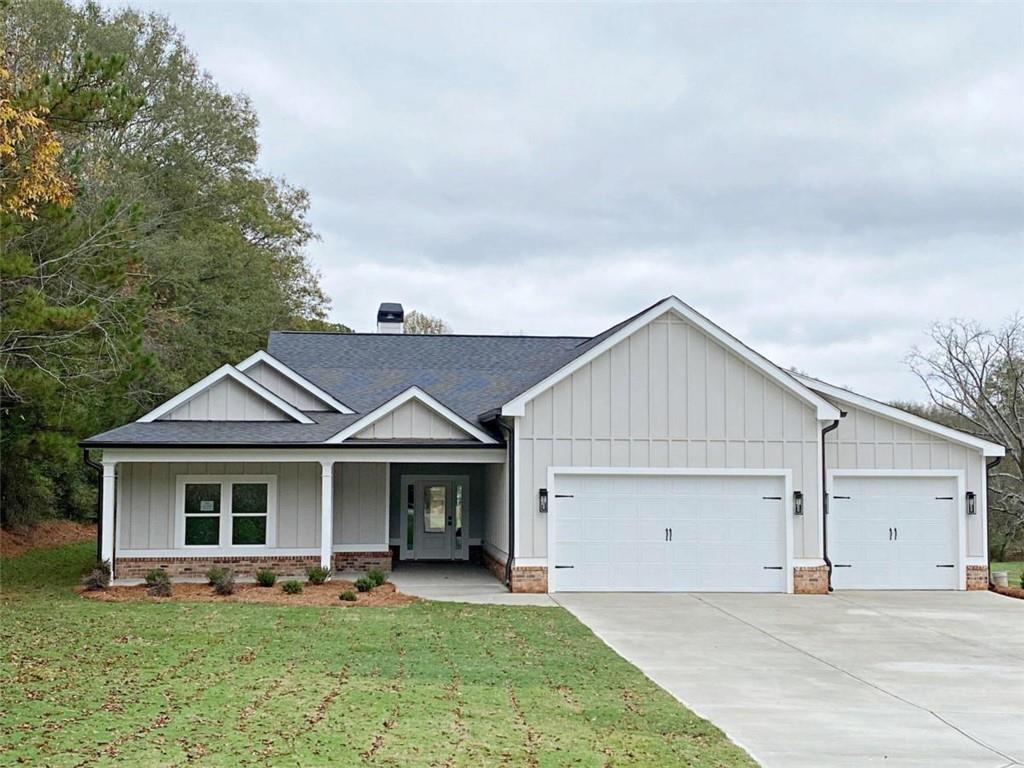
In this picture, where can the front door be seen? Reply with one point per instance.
(436, 518)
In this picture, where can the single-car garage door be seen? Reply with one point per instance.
(894, 532)
(656, 533)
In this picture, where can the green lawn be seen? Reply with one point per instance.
(90, 683)
(1013, 570)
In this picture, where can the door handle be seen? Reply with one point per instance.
(896, 532)
(670, 534)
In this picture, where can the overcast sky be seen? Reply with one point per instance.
(821, 181)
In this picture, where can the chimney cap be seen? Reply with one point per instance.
(390, 312)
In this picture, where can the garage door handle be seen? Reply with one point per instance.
(890, 534)
(896, 534)
(946, 566)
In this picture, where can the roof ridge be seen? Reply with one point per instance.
(438, 335)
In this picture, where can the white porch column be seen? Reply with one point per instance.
(326, 512)
(109, 488)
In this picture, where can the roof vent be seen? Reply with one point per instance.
(390, 318)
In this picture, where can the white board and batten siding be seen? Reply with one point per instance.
(285, 388)
(361, 505)
(412, 420)
(226, 400)
(667, 396)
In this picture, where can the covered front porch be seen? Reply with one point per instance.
(184, 510)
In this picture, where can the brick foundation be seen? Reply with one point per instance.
(977, 577)
(361, 561)
(530, 578)
(495, 566)
(185, 567)
(811, 581)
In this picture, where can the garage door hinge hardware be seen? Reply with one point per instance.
(840, 497)
(564, 566)
(943, 498)
(841, 565)
(564, 496)
(772, 567)
(772, 498)
(946, 566)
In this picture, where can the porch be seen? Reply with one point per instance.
(186, 510)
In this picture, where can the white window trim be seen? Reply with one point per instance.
(225, 547)
(961, 494)
(785, 474)
(924, 425)
(825, 410)
(266, 358)
(412, 393)
(227, 371)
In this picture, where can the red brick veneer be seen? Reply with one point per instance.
(977, 577)
(283, 565)
(811, 581)
(361, 561)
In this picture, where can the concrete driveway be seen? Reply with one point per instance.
(854, 679)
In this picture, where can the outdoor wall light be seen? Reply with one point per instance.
(972, 503)
(798, 502)
(543, 501)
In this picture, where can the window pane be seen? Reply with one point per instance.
(248, 530)
(202, 530)
(410, 516)
(458, 516)
(249, 499)
(435, 501)
(202, 498)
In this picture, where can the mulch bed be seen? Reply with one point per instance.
(47, 533)
(1008, 591)
(312, 594)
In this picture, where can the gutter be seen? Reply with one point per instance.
(510, 471)
(824, 499)
(90, 462)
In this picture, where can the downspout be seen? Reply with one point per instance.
(99, 501)
(824, 499)
(511, 443)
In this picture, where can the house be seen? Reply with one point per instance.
(660, 454)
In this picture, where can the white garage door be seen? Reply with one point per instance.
(893, 532)
(655, 533)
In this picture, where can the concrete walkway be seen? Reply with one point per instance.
(459, 583)
(930, 679)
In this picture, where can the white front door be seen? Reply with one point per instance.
(662, 533)
(436, 520)
(893, 532)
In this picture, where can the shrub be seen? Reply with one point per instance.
(159, 588)
(1022, 579)
(291, 587)
(225, 583)
(215, 574)
(317, 574)
(266, 578)
(156, 576)
(98, 577)
(348, 596)
(377, 576)
(363, 584)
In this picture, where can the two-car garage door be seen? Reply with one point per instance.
(660, 532)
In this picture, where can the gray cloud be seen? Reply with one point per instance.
(824, 181)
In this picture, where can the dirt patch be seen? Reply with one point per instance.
(312, 594)
(1008, 591)
(48, 533)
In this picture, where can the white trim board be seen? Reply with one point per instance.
(266, 358)
(227, 371)
(785, 474)
(825, 410)
(483, 455)
(961, 494)
(412, 393)
(866, 403)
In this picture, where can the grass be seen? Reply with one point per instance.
(431, 684)
(1013, 569)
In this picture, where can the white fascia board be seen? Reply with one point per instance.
(824, 409)
(227, 371)
(266, 358)
(874, 406)
(412, 393)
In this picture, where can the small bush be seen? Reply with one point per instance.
(98, 577)
(156, 576)
(225, 583)
(317, 574)
(215, 574)
(377, 576)
(1022, 579)
(363, 584)
(348, 596)
(159, 588)
(266, 578)
(291, 587)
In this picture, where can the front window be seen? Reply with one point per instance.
(249, 514)
(226, 510)
(202, 514)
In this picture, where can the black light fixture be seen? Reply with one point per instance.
(798, 502)
(972, 503)
(543, 501)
